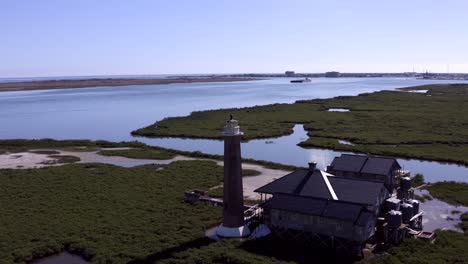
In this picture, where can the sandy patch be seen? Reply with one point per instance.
(23, 160)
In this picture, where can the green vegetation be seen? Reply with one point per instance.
(108, 214)
(449, 247)
(417, 180)
(45, 152)
(451, 192)
(20, 145)
(61, 159)
(392, 123)
(464, 222)
(140, 153)
(265, 250)
(118, 215)
(217, 192)
(250, 173)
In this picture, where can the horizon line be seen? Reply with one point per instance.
(205, 74)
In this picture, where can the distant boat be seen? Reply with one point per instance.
(301, 80)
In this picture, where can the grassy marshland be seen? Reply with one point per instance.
(417, 180)
(455, 193)
(111, 214)
(450, 247)
(451, 192)
(107, 213)
(428, 125)
(140, 153)
(20, 145)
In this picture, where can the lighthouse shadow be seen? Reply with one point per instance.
(167, 253)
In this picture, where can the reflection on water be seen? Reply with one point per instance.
(62, 258)
(285, 150)
(338, 110)
(345, 142)
(417, 91)
(438, 214)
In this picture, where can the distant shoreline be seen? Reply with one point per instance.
(93, 82)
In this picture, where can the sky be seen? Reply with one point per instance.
(122, 37)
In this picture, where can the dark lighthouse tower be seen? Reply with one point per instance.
(233, 215)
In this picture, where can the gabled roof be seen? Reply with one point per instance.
(347, 162)
(357, 190)
(285, 184)
(379, 165)
(320, 184)
(364, 164)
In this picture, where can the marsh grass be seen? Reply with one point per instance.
(19, 145)
(417, 180)
(110, 214)
(61, 159)
(104, 212)
(455, 193)
(45, 152)
(140, 153)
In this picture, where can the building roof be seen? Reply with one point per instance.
(364, 164)
(319, 184)
(336, 209)
(346, 162)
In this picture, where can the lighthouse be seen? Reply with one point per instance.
(233, 214)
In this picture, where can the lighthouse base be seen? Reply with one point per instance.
(241, 231)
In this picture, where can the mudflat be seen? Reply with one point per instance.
(83, 83)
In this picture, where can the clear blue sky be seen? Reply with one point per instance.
(98, 37)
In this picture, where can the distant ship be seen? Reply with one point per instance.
(301, 80)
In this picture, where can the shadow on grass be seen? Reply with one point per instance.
(295, 251)
(167, 253)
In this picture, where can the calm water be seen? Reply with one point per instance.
(439, 214)
(62, 258)
(110, 113)
(285, 150)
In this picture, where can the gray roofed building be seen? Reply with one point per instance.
(381, 169)
(379, 165)
(320, 184)
(321, 207)
(316, 202)
(348, 162)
